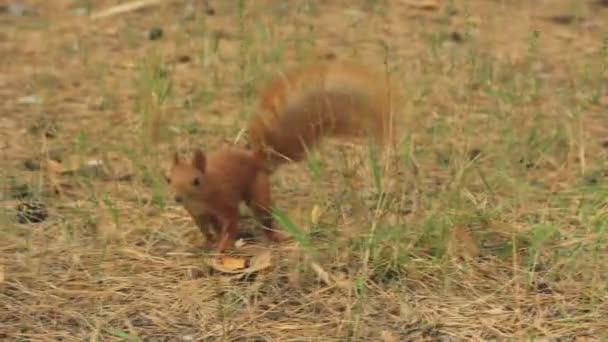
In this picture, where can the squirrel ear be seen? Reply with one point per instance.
(199, 160)
(175, 158)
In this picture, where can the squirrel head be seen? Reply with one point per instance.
(186, 178)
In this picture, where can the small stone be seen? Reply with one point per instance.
(330, 56)
(154, 33)
(31, 212)
(210, 11)
(184, 59)
(527, 163)
(456, 37)
(31, 165)
(592, 179)
(543, 287)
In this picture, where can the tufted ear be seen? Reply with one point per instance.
(199, 160)
(175, 158)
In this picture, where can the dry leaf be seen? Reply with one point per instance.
(218, 265)
(321, 273)
(53, 167)
(233, 263)
(240, 243)
(75, 163)
(72, 164)
(327, 278)
(260, 261)
(2, 274)
(316, 213)
(113, 166)
(242, 264)
(423, 4)
(496, 311)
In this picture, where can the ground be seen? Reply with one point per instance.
(491, 227)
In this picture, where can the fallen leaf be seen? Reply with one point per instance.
(315, 214)
(73, 164)
(496, 311)
(423, 4)
(240, 243)
(328, 278)
(53, 166)
(250, 261)
(260, 261)
(321, 273)
(218, 265)
(233, 263)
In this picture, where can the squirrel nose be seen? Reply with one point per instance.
(178, 199)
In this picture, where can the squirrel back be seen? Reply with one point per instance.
(305, 104)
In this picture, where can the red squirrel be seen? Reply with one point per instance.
(296, 110)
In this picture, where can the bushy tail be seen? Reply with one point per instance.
(342, 100)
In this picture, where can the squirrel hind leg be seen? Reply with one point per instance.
(208, 226)
(228, 229)
(260, 203)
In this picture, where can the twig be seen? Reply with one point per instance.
(239, 135)
(327, 278)
(123, 8)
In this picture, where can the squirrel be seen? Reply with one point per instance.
(296, 110)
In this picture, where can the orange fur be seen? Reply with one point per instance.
(296, 110)
(306, 103)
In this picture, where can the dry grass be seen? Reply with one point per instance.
(509, 245)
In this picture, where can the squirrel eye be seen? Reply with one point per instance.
(196, 182)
